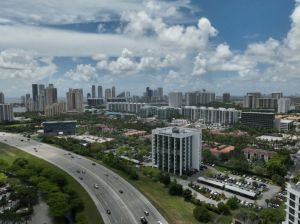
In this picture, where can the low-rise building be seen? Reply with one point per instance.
(283, 125)
(59, 127)
(223, 149)
(252, 153)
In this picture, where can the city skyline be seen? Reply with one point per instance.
(180, 45)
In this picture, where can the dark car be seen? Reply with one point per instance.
(108, 211)
(121, 192)
(94, 164)
(144, 220)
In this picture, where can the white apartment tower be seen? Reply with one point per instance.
(175, 99)
(293, 204)
(75, 100)
(6, 112)
(283, 105)
(176, 150)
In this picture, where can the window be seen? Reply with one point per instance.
(292, 196)
(292, 211)
(291, 218)
(292, 204)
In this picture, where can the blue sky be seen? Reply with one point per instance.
(232, 45)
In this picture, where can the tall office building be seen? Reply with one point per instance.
(293, 204)
(250, 100)
(175, 99)
(6, 112)
(75, 100)
(226, 97)
(284, 105)
(50, 95)
(35, 94)
(100, 92)
(176, 150)
(107, 93)
(1, 98)
(113, 92)
(93, 91)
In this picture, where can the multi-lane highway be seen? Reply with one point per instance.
(126, 204)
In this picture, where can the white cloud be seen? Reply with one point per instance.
(20, 64)
(82, 72)
(56, 42)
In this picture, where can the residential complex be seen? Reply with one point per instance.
(212, 115)
(75, 100)
(175, 99)
(176, 150)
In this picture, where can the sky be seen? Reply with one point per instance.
(232, 46)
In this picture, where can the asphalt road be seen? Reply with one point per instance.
(126, 207)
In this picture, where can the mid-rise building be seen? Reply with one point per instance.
(258, 119)
(226, 97)
(212, 115)
(190, 99)
(1, 98)
(6, 112)
(293, 204)
(176, 150)
(75, 100)
(50, 95)
(283, 124)
(284, 105)
(277, 95)
(267, 103)
(126, 107)
(198, 98)
(94, 102)
(167, 113)
(55, 109)
(148, 111)
(175, 99)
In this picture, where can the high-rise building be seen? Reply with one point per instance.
(29, 105)
(27, 97)
(160, 93)
(100, 92)
(35, 94)
(250, 100)
(41, 98)
(190, 99)
(75, 100)
(107, 93)
(176, 150)
(204, 98)
(175, 99)
(293, 204)
(266, 103)
(88, 95)
(93, 91)
(127, 94)
(1, 98)
(284, 105)
(55, 109)
(121, 95)
(23, 100)
(277, 95)
(226, 97)
(113, 92)
(50, 95)
(6, 112)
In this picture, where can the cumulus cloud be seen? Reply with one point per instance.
(82, 72)
(20, 64)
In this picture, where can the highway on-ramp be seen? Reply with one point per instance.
(125, 203)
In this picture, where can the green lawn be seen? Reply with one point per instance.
(9, 154)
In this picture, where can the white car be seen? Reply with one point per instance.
(96, 186)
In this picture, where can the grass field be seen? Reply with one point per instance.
(9, 154)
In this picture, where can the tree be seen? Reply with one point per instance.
(165, 179)
(271, 215)
(187, 194)
(20, 162)
(233, 203)
(175, 189)
(202, 214)
(208, 157)
(76, 205)
(279, 180)
(58, 204)
(223, 208)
